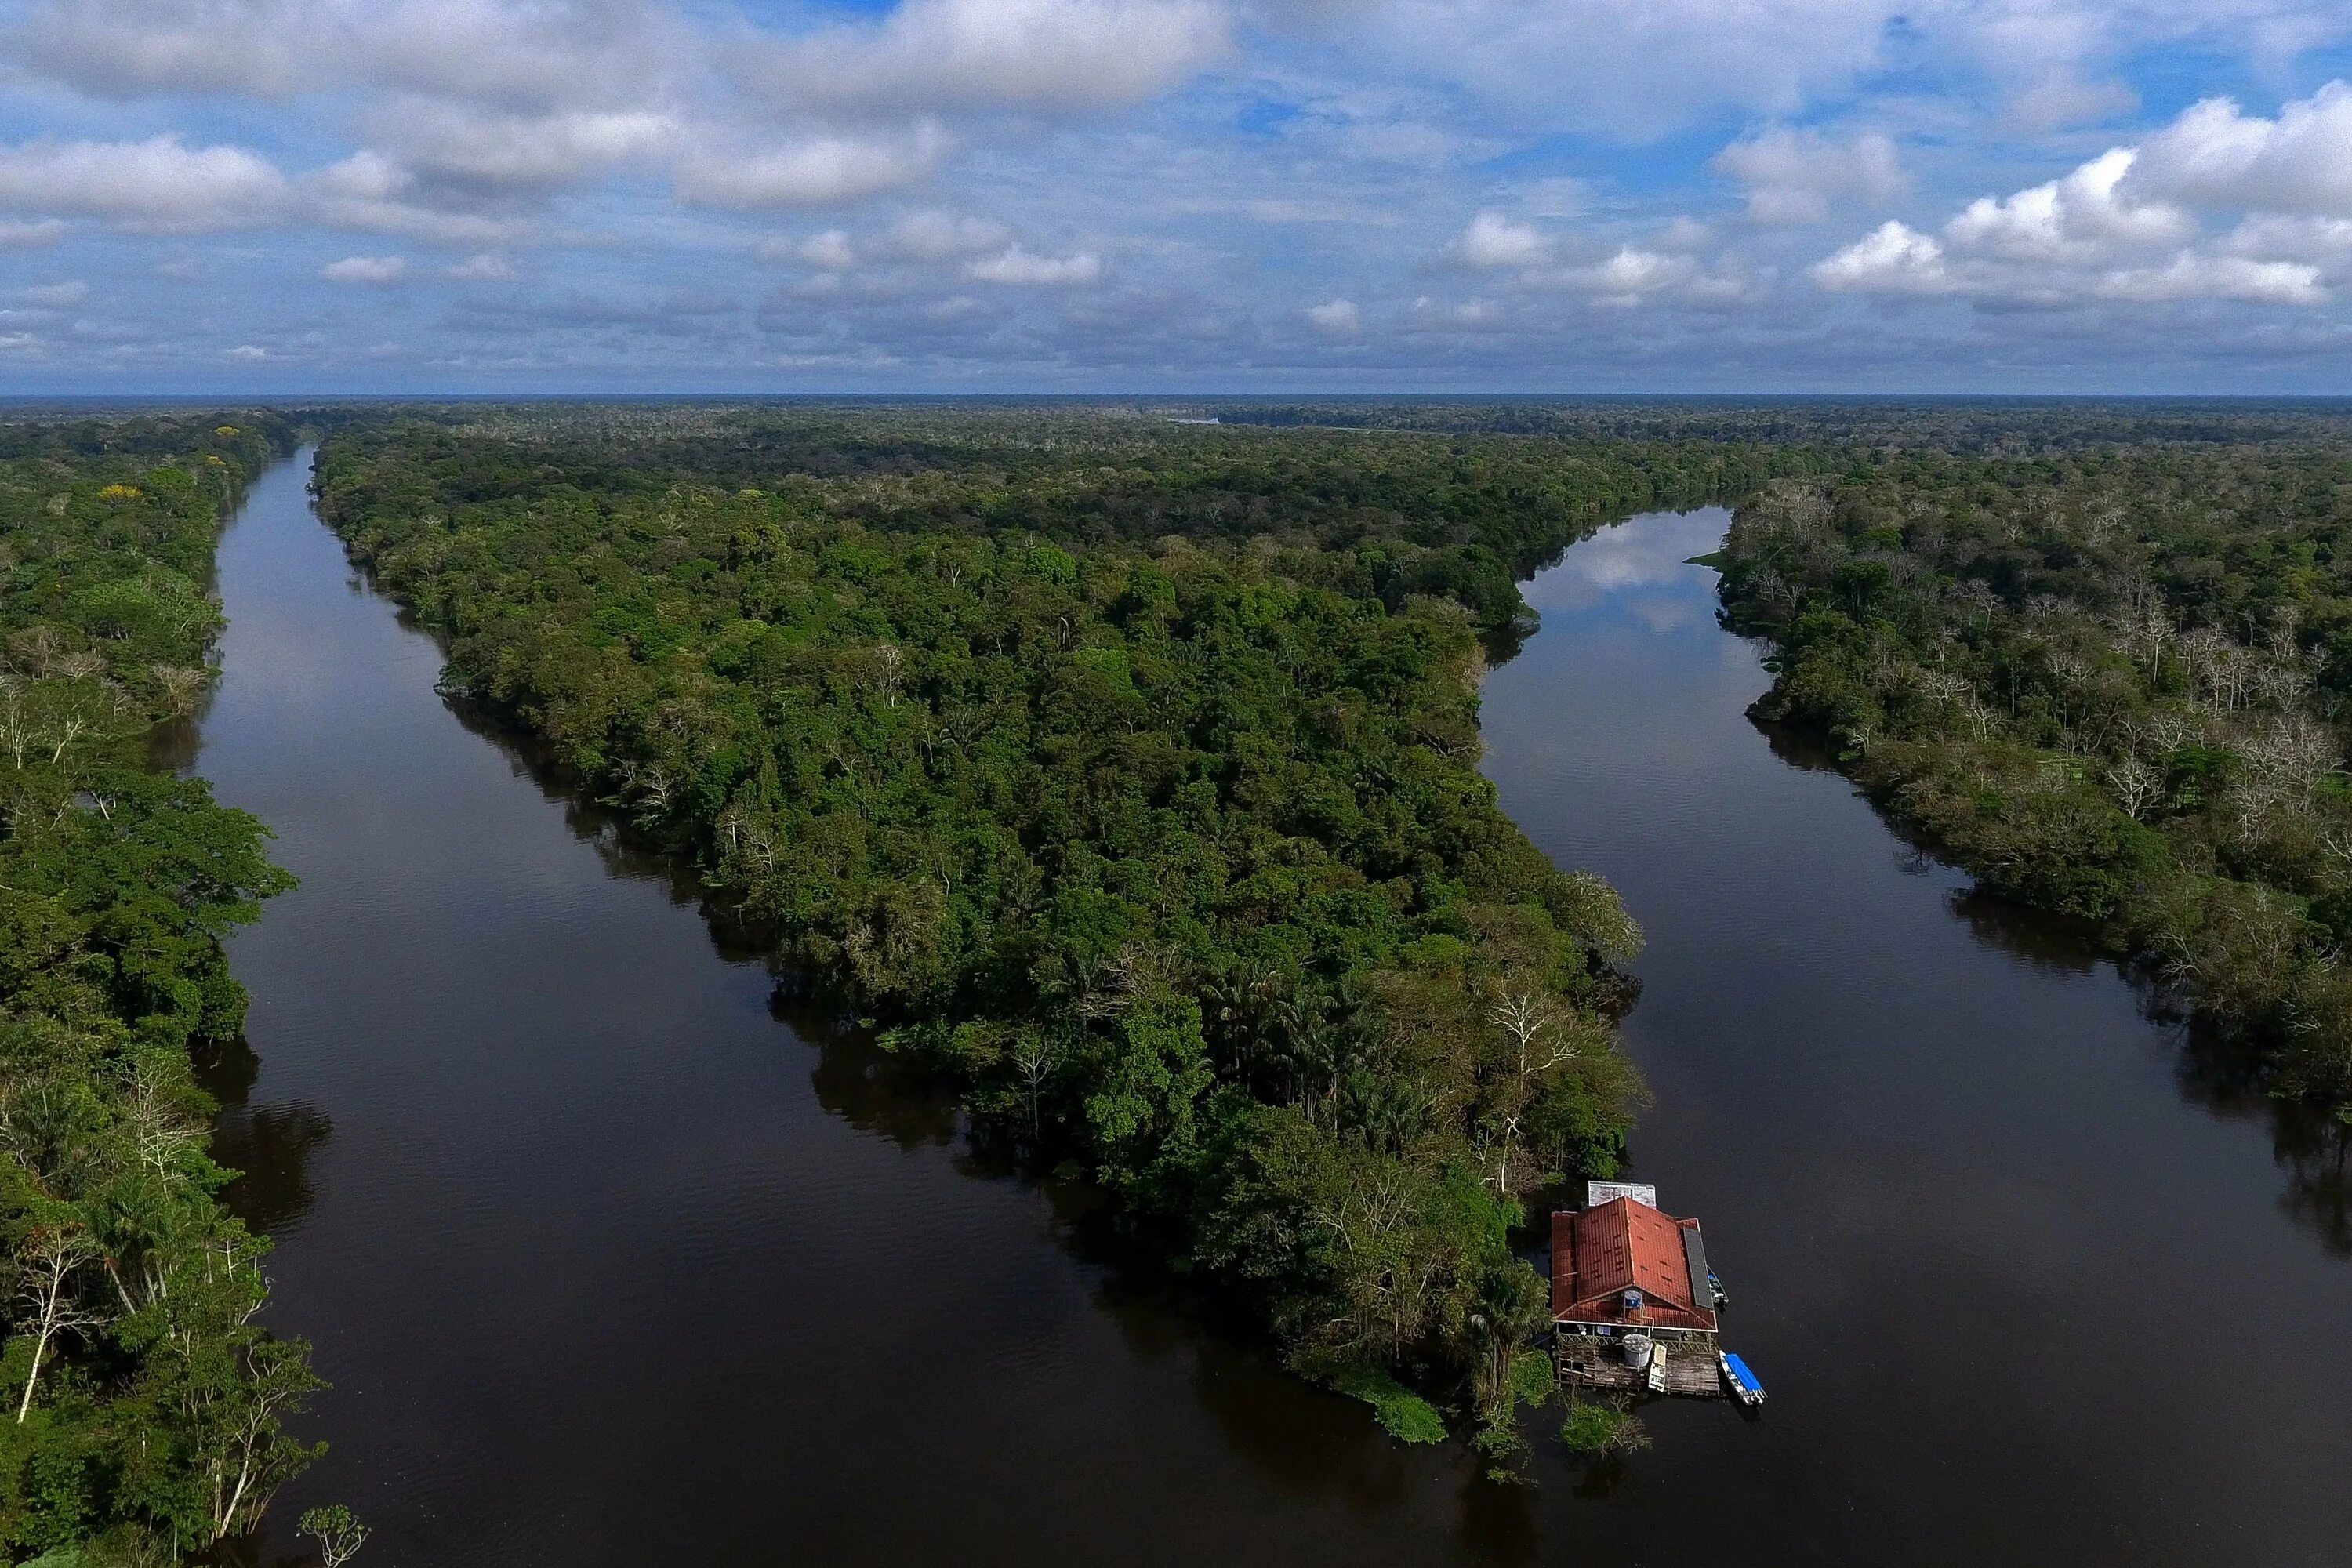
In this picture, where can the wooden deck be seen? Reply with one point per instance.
(1591, 1361)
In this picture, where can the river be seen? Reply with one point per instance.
(613, 1259)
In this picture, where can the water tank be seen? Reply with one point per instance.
(1637, 1351)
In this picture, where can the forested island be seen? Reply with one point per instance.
(146, 1406)
(1126, 771)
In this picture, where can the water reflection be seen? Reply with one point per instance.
(2316, 1150)
(272, 1148)
(2313, 1146)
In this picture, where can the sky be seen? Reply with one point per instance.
(485, 197)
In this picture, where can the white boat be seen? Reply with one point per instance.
(1745, 1386)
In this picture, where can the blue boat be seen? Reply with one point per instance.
(1743, 1384)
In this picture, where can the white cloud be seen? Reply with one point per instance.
(925, 238)
(2194, 277)
(1461, 315)
(1022, 267)
(2080, 218)
(830, 251)
(156, 186)
(1627, 276)
(2272, 237)
(927, 56)
(19, 236)
(369, 193)
(1632, 70)
(1495, 240)
(376, 269)
(246, 352)
(519, 53)
(650, 144)
(823, 170)
(1894, 258)
(2216, 156)
(126, 47)
(502, 152)
(1796, 176)
(489, 266)
(367, 175)
(1338, 317)
(2127, 226)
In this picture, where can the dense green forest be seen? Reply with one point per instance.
(1125, 769)
(1462, 516)
(145, 1406)
(1838, 431)
(2106, 679)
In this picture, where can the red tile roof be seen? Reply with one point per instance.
(1599, 1255)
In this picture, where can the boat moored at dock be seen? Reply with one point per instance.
(1743, 1384)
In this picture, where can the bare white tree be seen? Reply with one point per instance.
(1942, 686)
(179, 685)
(1540, 1035)
(338, 1531)
(159, 1134)
(889, 664)
(1036, 1058)
(46, 1261)
(2137, 784)
(17, 732)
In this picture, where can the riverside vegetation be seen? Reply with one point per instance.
(1124, 770)
(1127, 772)
(2109, 681)
(146, 1406)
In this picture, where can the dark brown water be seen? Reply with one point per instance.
(612, 1265)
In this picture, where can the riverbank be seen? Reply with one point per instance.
(149, 1411)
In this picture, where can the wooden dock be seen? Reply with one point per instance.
(1591, 1361)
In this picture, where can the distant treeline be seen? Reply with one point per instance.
(1838, 430)
(1462, 516)
(2110, 681)
(144, 1406)
(1126, 769)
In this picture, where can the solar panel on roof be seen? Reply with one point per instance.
(1694, 1258)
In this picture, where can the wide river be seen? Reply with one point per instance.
(613, 1260)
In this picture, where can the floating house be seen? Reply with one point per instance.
(1633, 1302)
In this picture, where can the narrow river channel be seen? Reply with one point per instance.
(612, 1263)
